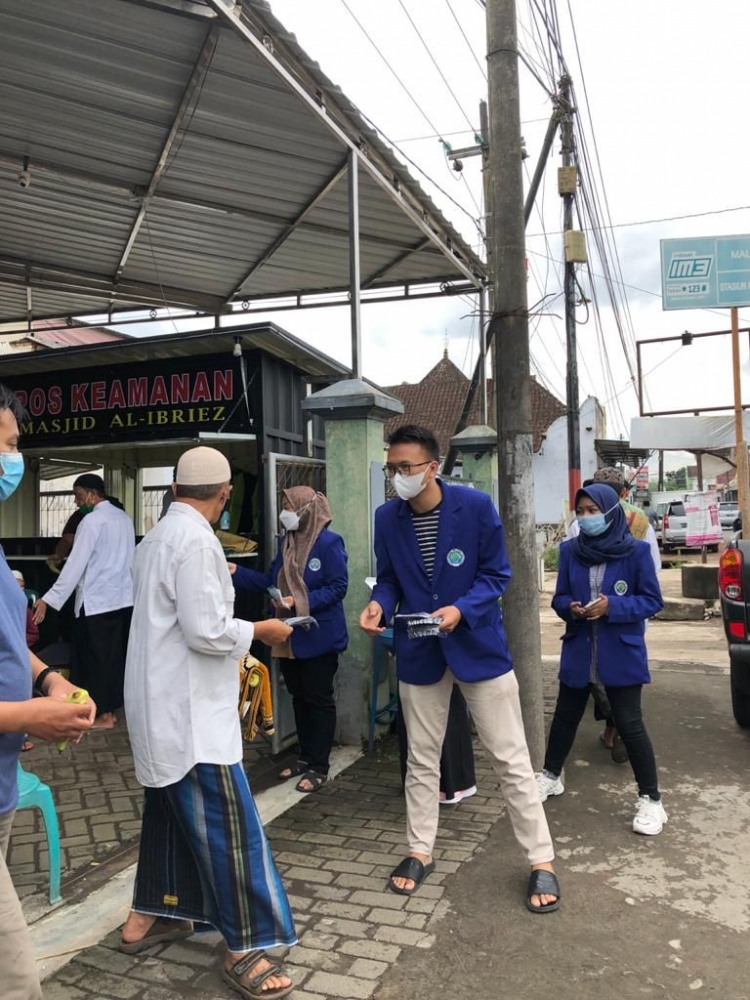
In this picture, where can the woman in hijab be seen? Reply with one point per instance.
(310, 573)
(606, 590)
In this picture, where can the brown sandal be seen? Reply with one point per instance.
(162, 930)
(251, 987)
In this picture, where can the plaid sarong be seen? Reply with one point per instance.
(204, 856)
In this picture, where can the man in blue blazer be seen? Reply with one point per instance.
(440, 551)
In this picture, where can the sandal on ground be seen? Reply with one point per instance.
(411, 868)
(543, 883)
(620, 753)
(315, 778)
(240, 978)
(161, 931)
(293, 770)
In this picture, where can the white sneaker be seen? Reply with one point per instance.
(549, 784)
(650, 817)
(459, 796)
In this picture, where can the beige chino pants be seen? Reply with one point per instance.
(18, 975)
(496, 710)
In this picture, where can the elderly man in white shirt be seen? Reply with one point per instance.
(204, 857)
(99, 571)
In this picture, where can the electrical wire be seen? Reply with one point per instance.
(156, 271)
(651, 222)
(482, 70)
(398, 79)
(423, 113)
(434, 61)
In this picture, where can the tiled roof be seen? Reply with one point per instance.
(436, 402)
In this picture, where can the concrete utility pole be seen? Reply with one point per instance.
(511, 364)
(567, 187)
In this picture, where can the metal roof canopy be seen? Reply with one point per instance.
(188, 153)
(614, 452)
(262, 336)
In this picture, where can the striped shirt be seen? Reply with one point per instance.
(426, 530)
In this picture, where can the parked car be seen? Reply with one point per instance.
(673, 524)
(673, 534)
(728, 513)
(734, 591)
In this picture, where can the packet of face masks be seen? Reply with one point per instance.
(301, 621)
(421, 625)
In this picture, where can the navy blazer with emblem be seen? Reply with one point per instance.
(326, 579)
(471, 572)
(632, 589)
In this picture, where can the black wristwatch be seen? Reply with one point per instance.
(41, 678)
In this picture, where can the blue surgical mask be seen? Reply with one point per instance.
(11, 462)
(593, 524)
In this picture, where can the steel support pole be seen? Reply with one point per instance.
(569, 290)
(512, 365)
(482, 357)
(354, 272)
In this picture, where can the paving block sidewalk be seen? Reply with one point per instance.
(99, 805)
(335, 850)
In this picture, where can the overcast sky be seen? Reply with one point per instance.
(667, 86)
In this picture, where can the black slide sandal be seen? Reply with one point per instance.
(543, 883)
(410, 868)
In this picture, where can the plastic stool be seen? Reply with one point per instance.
(382, 642)
(34, 794)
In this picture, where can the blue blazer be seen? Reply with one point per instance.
(471, 572)
(326, 579)
(634, 595)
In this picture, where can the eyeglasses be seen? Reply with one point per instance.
(404, 468)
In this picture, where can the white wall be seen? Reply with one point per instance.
(550, 464)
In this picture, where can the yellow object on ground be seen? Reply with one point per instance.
(256, 706)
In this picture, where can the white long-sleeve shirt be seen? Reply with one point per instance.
(99, 567)
(182, 674)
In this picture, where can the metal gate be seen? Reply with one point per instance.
(282, 472)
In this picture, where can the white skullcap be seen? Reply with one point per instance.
(202, 467)
(18, 575)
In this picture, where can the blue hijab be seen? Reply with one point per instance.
(616, 542)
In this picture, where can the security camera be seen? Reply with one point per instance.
(24, 179)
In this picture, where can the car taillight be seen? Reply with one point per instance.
(666, 522)
(730, 575)
(737, 630)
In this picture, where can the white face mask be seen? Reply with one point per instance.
(409, 487)
(289, 520)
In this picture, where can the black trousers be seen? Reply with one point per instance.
(457, 756)
(628, 718)
(98, 651)
(310, 683)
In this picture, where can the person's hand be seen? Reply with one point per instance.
(598, 609)
(369, 620)
(285, 604)
(232, 567)
(55, 719)
(40, 610)
(451, 617)
(272, 631)
(576, 609)
(56, 686)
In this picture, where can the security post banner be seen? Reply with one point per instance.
(141, 401)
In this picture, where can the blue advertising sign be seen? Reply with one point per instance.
(706, 272)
